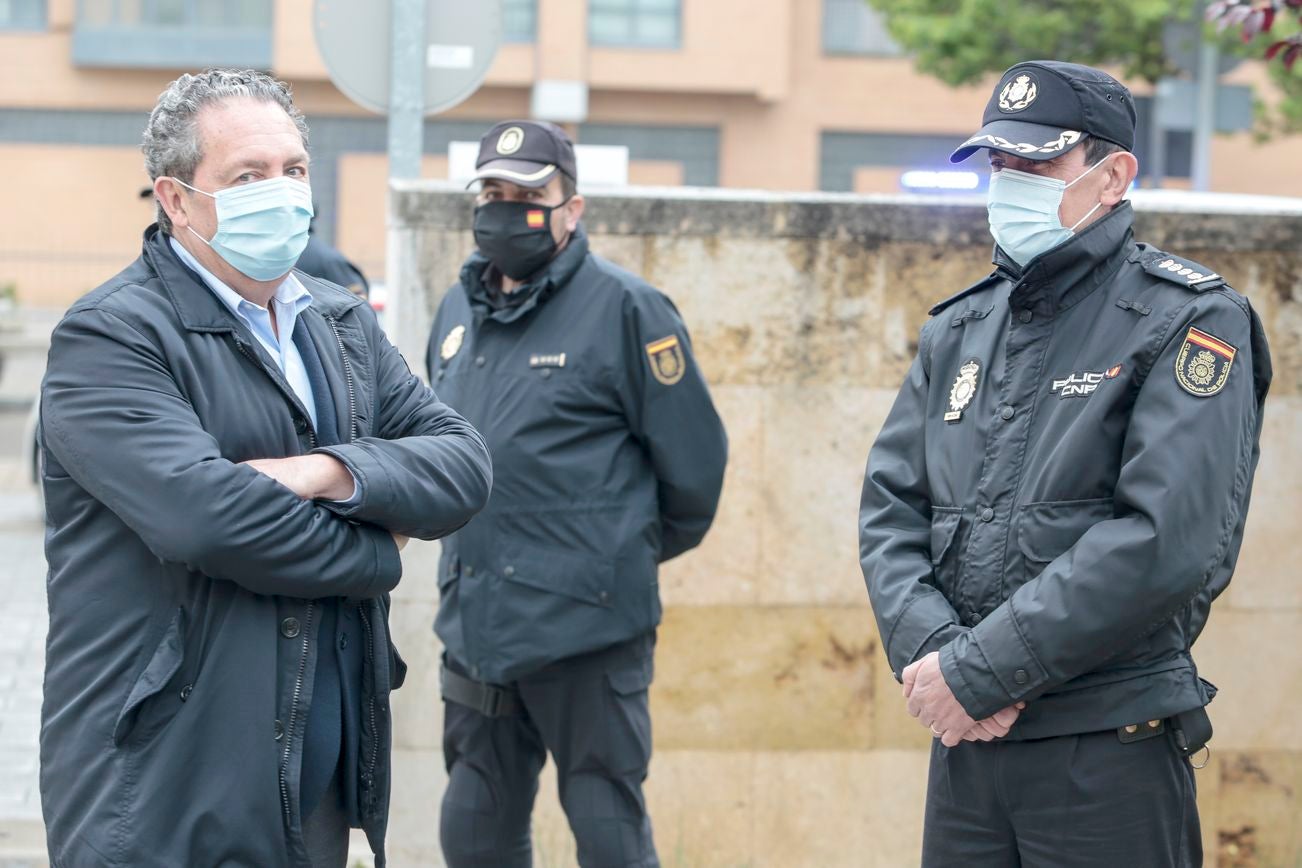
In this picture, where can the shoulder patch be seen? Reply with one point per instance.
(1185, 272)
(976, 287)
(666, 359)
(1203, 364)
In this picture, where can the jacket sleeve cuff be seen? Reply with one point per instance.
(367, 474)
(388, 562)
(927, 623)
(991, 667)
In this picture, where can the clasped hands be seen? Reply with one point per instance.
(316, 476)
(934, 705)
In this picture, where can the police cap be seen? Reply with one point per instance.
(1042, 109)
(527, 153)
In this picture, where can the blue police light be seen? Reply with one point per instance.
(932, 181)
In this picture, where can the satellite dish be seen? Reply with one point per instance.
(461, 41)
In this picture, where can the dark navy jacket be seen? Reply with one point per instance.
(185, 587)
(1060, 490)
(608, 459)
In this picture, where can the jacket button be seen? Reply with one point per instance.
(1007, 413)
(974, 618)
(289, 628)
(546, 373)
(279, 731)
(467, 570)
(508, 571)
(480, 361)
(1020, 676)
(343, 641)
(300, 424)
(987, 514)
(1026, 315)
(604, 597)
(186, 691)
(439, 375)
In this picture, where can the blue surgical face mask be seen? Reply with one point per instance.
(1023, 211)
(262, 227)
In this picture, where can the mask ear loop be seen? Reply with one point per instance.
(197, 190)
(1091, 211)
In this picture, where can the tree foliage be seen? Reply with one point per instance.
(961, 41)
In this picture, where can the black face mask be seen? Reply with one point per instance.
(516, 236)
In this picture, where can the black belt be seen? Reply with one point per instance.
(1191, 731)
(490, 700)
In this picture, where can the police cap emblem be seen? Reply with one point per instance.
(1018, 93)
(510, 141)
(452, 343)
(963, 390)
(1203, 364)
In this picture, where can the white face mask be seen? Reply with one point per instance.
(1023, 212)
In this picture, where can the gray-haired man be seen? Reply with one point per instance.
(233, 457)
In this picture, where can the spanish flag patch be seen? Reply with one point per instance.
(666, 358)
(535, 219)
(1203, 363)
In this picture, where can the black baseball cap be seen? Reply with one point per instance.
(527, 153)
(1042, 109)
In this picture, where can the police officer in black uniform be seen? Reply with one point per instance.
(608, 460)
(1056, 498)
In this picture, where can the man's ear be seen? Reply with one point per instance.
(170, 194)
(574, 212)
(1120, 173)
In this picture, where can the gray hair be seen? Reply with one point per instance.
(171, 141)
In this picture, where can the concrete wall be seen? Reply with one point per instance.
(781, 738)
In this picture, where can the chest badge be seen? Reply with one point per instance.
(452, 343)
(963, 390)
(1203, 365)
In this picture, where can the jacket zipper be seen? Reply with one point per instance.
(369, 779)
(348, 378)
(293, 709)
(307, 633)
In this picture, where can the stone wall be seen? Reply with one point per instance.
(781, 738)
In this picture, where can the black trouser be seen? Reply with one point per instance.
(591, 713)
(1067, 802)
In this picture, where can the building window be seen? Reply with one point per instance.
(638, 23)
(854, 27)
(520, 20)
(172, 34)
(22, 14)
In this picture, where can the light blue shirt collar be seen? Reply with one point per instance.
(291, 293)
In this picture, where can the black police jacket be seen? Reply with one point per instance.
(1059, 492)
(608, 459)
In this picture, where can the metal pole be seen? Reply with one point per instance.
(1156, 144)
(406, 87)
(1205, 116)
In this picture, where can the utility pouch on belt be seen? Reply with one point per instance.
(1191, 730)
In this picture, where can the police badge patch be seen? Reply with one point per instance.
(1203, 364)
(963, 390)
(666, 357)
(452, 343)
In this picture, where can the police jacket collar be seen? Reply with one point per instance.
(540, 287)
(1074, 269)
(198, 308)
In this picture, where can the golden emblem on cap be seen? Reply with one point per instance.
(1018, 94)
(963, 390)
(452, 343)
(510, 141)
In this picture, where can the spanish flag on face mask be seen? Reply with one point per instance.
(535, 219)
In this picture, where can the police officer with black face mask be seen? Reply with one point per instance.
(1057, 497)
(608, 459)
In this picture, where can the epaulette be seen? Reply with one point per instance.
(979, 285)
(1185, 272)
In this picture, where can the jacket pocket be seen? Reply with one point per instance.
(945, 521)
(1046, 530)
(585, 578)
(158, 672)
